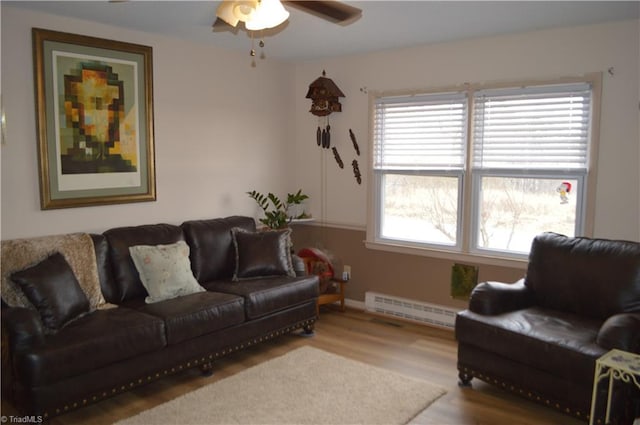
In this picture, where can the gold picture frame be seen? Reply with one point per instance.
(94, 106)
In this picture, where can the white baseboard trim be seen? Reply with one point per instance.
(361, 305)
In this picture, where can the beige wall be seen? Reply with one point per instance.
(408, 276)
(221, 129)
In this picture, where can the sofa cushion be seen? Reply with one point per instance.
(93, 341)
(265, 296)
(589, 277)
(165, 270)
(212, 251)
(54, 291)
(108, 286)
(262, 254)
(197, 314)
(559, 343)
(120, 239)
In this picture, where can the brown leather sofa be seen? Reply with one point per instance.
(540, 337)
(113, 350)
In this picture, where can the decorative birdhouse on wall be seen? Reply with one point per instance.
(324, 96)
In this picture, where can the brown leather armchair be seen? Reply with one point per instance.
(540, 337)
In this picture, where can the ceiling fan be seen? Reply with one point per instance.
(231, 12)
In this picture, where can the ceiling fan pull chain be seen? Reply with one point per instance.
(261, 44)
(253, 51)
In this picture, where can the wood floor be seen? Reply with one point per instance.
(415, 350)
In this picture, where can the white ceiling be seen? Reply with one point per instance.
(383, 25)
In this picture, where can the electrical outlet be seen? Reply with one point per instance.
(346, 272)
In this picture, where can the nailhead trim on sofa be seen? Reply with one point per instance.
(202, 361)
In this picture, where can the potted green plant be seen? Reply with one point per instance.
(295, 207)
(278, 214)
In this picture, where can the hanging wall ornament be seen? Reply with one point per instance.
(354, 141)
(324, 137)
(336, 155)
(324, 95)
(328, 143)
(356, 171)
(323, 134)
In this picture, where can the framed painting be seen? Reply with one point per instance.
(94, 105)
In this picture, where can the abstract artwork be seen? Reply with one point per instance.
(95, 120)
(464, 278)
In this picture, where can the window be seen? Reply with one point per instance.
(419, 156)
(484, 170)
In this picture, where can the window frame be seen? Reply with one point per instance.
(378, 182)
(466, 248)
(477, 176)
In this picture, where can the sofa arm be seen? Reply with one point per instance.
(23, 328)
(492, 298)
(621, 331)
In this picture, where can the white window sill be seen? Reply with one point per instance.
(514, 263)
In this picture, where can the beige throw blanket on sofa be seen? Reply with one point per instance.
(77, 248)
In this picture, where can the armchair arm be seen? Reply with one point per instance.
(23, 328)
(621, 331)
(492, 298)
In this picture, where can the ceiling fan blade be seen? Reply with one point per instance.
(333, 11)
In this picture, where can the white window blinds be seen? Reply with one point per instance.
(533, 128)
(426, 132)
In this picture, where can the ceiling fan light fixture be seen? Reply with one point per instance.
(225, 12)
(244, 10)
(268, 14)
(233, 12)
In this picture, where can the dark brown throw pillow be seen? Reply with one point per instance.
(262, 254)
(53, 290)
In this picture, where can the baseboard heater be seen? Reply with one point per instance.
(415, 311)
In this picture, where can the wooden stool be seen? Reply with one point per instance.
(331, 298)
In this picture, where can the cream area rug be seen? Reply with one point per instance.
(305, 386)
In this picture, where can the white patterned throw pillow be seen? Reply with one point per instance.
(165, 270)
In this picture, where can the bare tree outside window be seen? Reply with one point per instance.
(514, 210)
(421, 207)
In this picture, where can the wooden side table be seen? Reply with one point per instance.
(325, 273)
(332, 297)
(617, 365)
